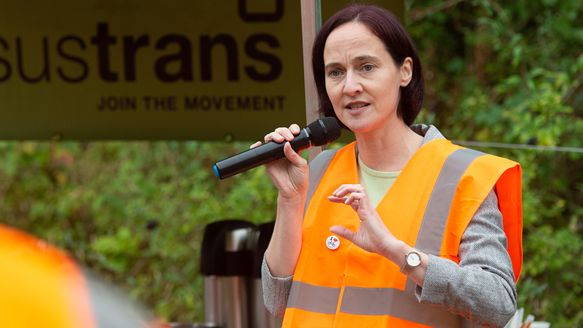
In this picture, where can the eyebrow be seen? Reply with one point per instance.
(364, 58)
(356, 59)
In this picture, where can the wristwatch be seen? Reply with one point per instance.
(412, 260)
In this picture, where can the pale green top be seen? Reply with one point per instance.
(376, 183)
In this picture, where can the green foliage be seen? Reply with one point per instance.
(132, 212)
(512, 72)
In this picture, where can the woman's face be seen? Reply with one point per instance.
(362, 80)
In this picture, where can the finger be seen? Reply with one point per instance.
(286, 133)
(274, 136)
(278, 135)
(339, 200)
(295, 129)
(353, 199)
(345, 192)
(341, 191)
(258, 143)
(345, 189)
(343, 232)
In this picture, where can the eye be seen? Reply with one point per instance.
(368, 67)
(334, 73)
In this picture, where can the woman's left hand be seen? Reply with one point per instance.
(372, 235)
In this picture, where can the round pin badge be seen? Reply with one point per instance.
(332, 242)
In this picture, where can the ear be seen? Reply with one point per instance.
(406, 71)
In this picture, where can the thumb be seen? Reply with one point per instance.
(291, 154)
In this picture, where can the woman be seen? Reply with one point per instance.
(401, 229)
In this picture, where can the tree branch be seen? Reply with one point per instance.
(416, 15)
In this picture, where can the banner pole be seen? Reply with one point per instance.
(311, 22)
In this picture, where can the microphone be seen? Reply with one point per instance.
(318, 133)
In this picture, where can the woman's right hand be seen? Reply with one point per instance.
(289, 174)
(290, 177)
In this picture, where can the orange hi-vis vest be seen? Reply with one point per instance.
(428, 207)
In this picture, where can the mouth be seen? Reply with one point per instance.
(356, 106)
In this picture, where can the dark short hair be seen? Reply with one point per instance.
(387, 27)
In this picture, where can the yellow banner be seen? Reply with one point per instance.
(144, 69)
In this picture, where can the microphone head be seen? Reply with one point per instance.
(325, 130)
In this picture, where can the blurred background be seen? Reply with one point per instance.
(508, 72)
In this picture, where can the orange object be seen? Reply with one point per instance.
(349, 287)
(42, 286)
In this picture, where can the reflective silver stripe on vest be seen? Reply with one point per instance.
(436, 213)
(399, 304)
(372, 301)
(391, 301)
(434, 221)
(317, 169)
(313, 298)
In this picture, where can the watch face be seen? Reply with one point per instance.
(413, 259)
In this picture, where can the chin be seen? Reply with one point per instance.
(359, 128)
(356, 122)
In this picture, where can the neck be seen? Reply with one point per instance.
(388, 150)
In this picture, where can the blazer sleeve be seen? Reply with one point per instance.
(481, 288)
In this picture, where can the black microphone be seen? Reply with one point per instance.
(318, 133)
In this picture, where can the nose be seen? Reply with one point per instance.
(352, 84)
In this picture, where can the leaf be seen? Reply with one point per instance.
(516, 55)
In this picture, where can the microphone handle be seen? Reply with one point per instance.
(259, 155)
